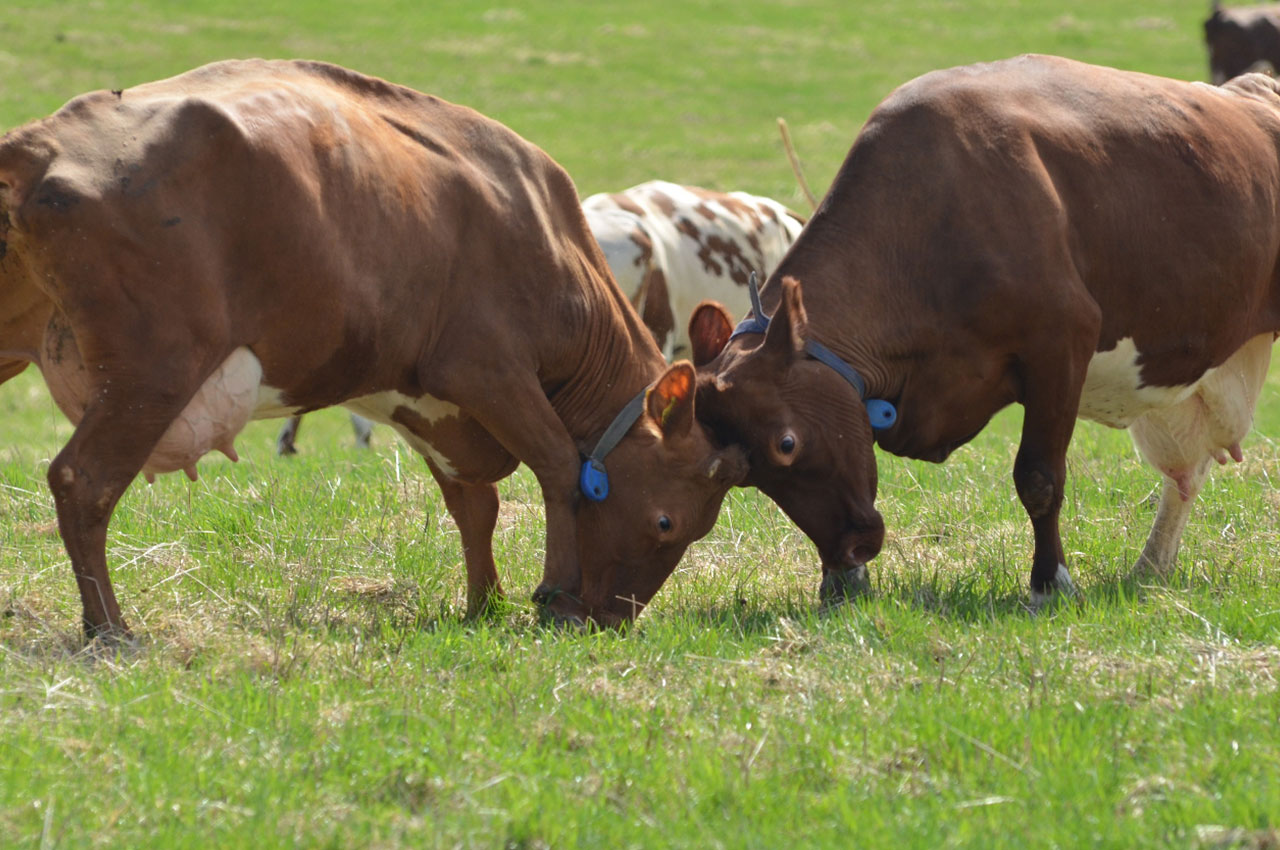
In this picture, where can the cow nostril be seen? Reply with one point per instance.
(862, 548)
(860, 554)
(544, 594)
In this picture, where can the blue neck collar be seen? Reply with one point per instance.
(593, 479)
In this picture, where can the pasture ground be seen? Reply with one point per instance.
(303, 677)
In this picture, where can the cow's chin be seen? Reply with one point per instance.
(844, 566)
(619, 611)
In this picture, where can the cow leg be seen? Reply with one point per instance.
(1039, 473)
(474, 508)
(1051, 401)
(536, 437)
(288, 433)
(1182, 440)
(363, 429)
(87, 479)
(1176, 499)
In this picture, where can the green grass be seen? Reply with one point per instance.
(303, 677)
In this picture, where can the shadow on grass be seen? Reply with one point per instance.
(980, 599)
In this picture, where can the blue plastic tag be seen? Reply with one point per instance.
(593, 480)
(882, 413)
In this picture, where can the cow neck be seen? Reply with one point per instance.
(614, 360)
(881, 413)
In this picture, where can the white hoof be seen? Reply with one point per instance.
(1063, 588)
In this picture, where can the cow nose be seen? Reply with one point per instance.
(544, 594)
(860, 546)
(560, 607)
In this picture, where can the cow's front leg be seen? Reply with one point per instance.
(517, 414)
(1051, 402)
(474, 508)
(1039, 477)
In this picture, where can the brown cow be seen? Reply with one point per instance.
(669, 247)
(260, 238)
(1083, 241)
(1242, 40)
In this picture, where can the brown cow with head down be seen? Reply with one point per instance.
(260, 238)
(1083, 241)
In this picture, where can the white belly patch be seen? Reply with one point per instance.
(1113, 393)
(381, 406)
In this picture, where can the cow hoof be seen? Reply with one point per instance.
(108, 636)
(492, 607)
(1148, 568)
(843, 585)
(1063, 588)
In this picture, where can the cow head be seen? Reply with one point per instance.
(1239, 42)
(666, 483)
(805, 430)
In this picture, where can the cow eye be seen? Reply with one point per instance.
(664, 523)
(787, 444)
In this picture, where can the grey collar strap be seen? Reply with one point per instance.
(881, 413)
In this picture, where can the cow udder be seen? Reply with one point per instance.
(217, 412)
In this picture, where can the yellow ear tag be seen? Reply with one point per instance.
(666, 411)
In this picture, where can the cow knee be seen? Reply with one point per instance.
(1037, 490)
(73, 487)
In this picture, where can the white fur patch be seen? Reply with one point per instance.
(270, 404)
(699, 240)
(381, 406)
(1113, 391)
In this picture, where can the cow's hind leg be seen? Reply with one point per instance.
(288, 436)
(1176, 499)
(1181, 441)
(87, 478)
(474, 508)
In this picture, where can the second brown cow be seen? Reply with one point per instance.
(1080, 240)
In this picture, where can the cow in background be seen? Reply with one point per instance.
(669, 247)
(260, 238)
(672, 246)
(1242, 40)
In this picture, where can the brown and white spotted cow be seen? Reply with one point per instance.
(1242, 40)
(259, 238)
(671, 247)
(1081, 240)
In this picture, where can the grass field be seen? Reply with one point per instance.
(303, 677)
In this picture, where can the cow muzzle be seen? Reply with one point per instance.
(560, 607)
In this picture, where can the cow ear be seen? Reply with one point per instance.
(789, 326)
(669, 402)
(710, 327)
